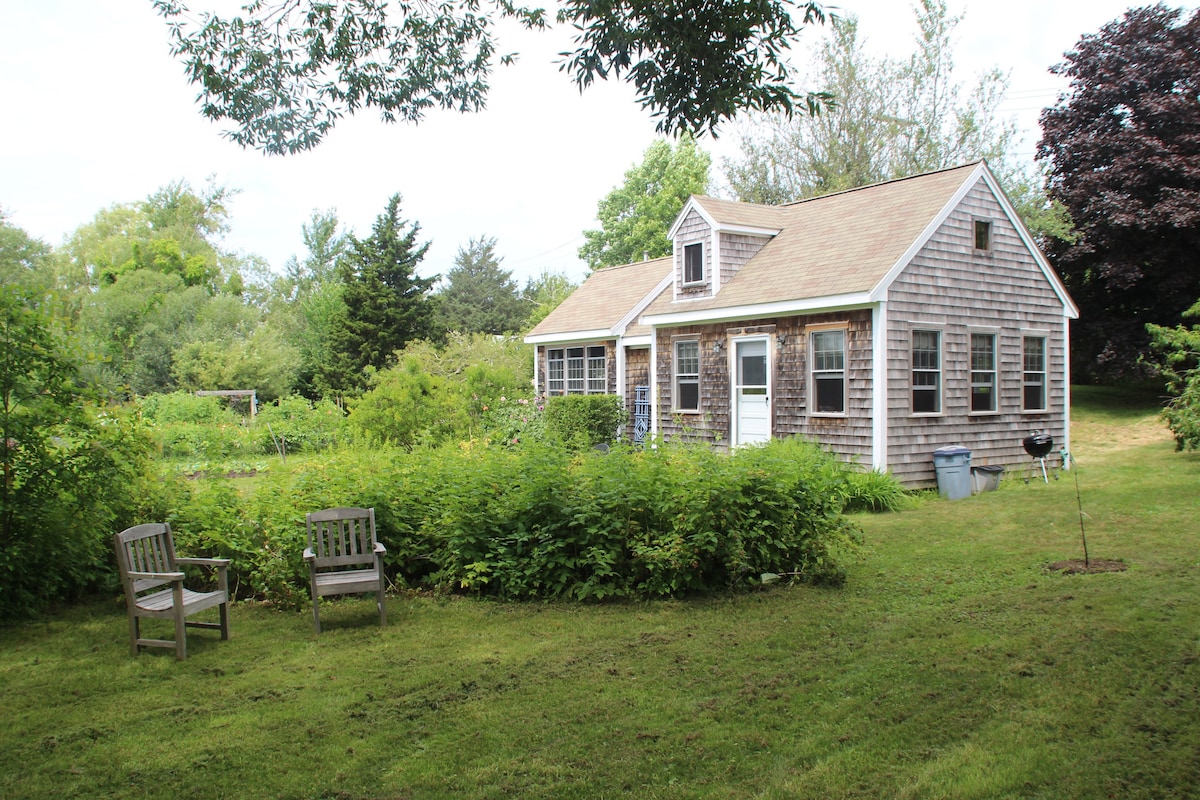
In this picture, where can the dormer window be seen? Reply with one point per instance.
(693, 263)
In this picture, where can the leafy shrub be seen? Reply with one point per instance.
(300, 426)
(1176, 352)
(869, 490)
(195, 428)
(585, 420)
(407, 406)
(184, 407)
(70, 473)
(516, 420)
(539, 522)
(542, 521)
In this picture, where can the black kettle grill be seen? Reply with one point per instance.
(1038, 444)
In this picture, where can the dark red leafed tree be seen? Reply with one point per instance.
(1123, 148)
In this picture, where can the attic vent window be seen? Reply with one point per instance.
(983, 234)
(693, 263)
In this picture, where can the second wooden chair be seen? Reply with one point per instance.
(344, 557)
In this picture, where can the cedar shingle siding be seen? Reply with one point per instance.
(1003, 290)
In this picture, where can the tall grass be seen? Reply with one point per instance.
(951, 664)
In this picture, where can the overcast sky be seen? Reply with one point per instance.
(97, 112)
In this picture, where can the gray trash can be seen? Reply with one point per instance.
(985, 479)
(953, 467)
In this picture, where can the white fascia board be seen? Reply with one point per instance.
(690, 205)
(1070, 310)
(981, 172)
(747, 230)
(642, 304)
(635, 342)
(786, 308)
(569, 337)
(879, 293)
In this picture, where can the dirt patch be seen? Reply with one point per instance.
(1077, 566)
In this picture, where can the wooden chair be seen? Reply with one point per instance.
(344, 557)
(146, 557)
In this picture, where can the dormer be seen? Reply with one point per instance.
(712, 239)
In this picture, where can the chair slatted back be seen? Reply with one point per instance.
(146, 548)
(342, 537)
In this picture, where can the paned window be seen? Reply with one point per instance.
(1033, 380)
(983, 234)
(983, 372)
(926, 372)
(576, 370)
(693, 263)
(828, 371)
(555, 384)
(597, 372)
(687, 375)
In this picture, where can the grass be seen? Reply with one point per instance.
(953, 664)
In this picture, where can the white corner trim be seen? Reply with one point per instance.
(879, 388)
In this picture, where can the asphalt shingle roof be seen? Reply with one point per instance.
(604, 298)
(842, 243)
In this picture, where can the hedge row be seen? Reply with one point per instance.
(542, 522)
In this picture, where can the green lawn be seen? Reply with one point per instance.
(951, 665)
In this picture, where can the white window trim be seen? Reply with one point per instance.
(562, 379)
(809, 330)
(675, 409)
(991, 235)
(683, 278)
(941, 371)
(994, 333)
(1045, 337)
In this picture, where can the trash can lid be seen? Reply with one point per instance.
(987, 468)
(953, 450)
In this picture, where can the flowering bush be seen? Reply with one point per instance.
(516, 420)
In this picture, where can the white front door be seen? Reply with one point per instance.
(751, 398)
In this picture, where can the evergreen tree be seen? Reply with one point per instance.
(479, 296)
(387, 304)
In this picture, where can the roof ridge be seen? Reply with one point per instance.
(918, 176)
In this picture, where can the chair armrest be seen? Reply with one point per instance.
(379, 548)
(309, 555)
(156, 576)
(220, 563)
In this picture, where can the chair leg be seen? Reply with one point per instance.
(135, 632)
(180, 623)
(224, 609)
(382, 608)
(316, 611)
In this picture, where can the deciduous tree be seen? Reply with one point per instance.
(283, 72)
(544, 293)
(893, 118)
(635, 216)
(1123, 153)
